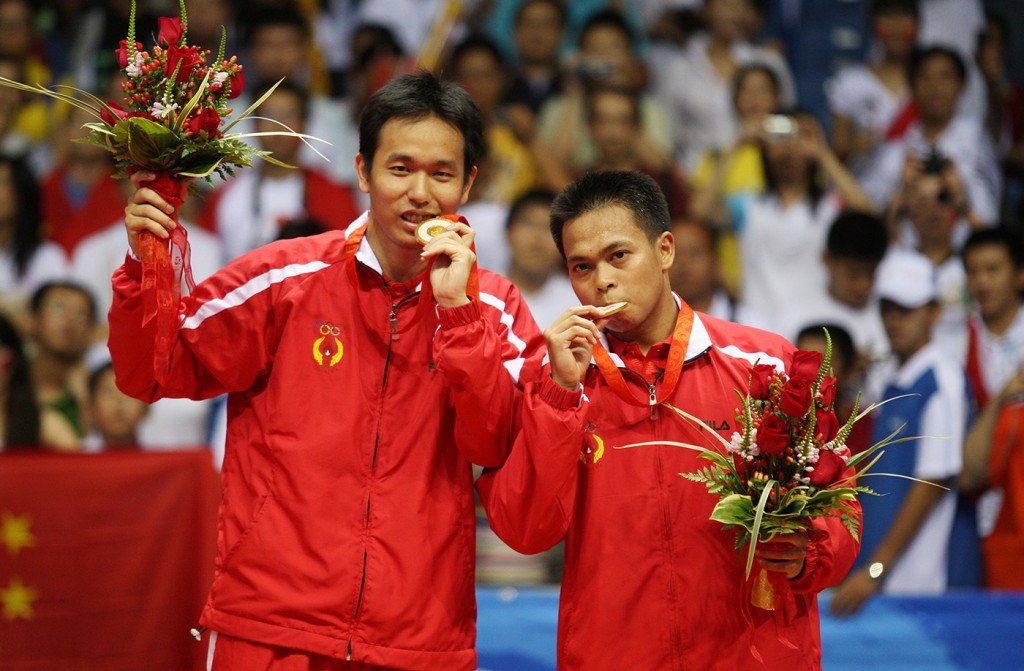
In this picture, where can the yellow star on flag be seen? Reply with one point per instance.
(17, 600)
(15, 532)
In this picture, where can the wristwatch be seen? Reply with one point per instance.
(876, 570)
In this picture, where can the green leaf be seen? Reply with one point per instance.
(758, 514)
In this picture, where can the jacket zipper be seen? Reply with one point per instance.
(651, 389)
(393, 324)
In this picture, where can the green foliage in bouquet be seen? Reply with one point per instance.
(789, 463)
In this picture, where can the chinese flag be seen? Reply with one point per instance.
(105, 560)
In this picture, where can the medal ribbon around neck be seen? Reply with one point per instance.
(673, 370)
(424, 300)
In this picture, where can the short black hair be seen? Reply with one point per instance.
(879, 7)
(382, 41)
(1002, 237)
(857, 236)
(632, 96)
(40, 294)
(544, 197)
(608, 18)
(634, 191)
(286, 86)
(417, 96)
(475, 43)
(921, 56)
(842, 342)
(556, 4)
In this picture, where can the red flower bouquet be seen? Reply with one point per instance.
(788, 463)
(171, 121)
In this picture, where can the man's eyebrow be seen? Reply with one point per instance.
(405, 158)
(606, 249)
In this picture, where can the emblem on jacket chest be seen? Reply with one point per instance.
(327, 348)
(593, 448)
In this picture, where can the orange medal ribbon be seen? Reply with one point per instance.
(673, 370)
(426, 292)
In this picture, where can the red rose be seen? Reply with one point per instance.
(760, 381)
(828, 391)
(826, 424)
(170, 30)
(805, 365)
(114, 114)
(237, 84)
(795, 398)
(188, 57)
(828, 469)
(122, 53)
(772, 435)
(207, 120)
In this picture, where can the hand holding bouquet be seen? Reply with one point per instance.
(171, 122)
(788, 463)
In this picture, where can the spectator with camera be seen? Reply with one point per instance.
(926, 215)
(696, 86)
(783, 231)
(937, 79)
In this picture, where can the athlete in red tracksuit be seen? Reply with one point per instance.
(650, 582)
(346, 531)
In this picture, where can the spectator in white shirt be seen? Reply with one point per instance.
(871, 103)
(696, 87)
(929, 204)
(783, 231)
(937, 76)
(695, 275)
(856, 245)
(26, 260)
(535, 265)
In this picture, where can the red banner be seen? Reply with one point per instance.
(105, 560)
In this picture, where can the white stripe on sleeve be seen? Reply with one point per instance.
(251, 288)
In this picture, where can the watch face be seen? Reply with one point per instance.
(876, 570)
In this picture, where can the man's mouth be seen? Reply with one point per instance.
(417, 218)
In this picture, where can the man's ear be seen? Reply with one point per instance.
(362, 174)
(468, 185)
(666, 246)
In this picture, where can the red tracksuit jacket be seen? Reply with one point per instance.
(347, 521)
(651, 583)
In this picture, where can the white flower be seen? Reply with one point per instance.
(159, 111)
(134, 69)
(220, 77)
(735, 443)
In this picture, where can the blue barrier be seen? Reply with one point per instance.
(963, 631)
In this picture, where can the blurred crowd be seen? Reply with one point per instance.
(870, 182)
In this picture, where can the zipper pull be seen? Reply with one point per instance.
(393, 321)
(653, 401)
(197, 632)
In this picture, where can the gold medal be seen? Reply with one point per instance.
(611, 309)
(430, 229)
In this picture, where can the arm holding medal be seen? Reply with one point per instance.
(530, 500)
(476, 354)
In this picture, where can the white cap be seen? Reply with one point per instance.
(906, 278)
